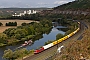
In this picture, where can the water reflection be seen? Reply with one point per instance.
(63, 29)
(46, 37)
(37, 37)
(60, 27)
(39, 40)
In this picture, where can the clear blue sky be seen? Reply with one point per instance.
(32, 3)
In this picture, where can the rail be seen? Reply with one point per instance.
(71, 34)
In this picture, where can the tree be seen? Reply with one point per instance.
(27, 28)
(12, 55)
(8, 54)
(24, 24)
(9, 32)
(32, 30)
(3, 38)
(20, 33)
(1, 24)
(17, 36)
(58, 36)
(11, 24)
(68, 32)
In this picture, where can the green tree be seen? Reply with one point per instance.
(24, 24)
(1, 24)
(20, 33)
(46, 23)
(32, 30)
(9, 32)
(11, 24)
(8, 54)
(28, 29)
(68, 32)
(3, 38)
(58, 36)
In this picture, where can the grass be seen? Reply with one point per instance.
(19, 22)
(3, 28)
(77, 49)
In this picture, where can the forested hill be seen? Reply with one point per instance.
(75, 5)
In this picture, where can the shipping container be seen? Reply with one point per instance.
(55, 42)
(60, 40)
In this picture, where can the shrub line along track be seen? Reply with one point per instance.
(51, 51)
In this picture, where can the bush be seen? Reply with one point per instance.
(24, 24)
(1, 24)
(23, 39)
(48, 42)
(3, 38)
(11, 24)
(68, 32)
(9, 54)
(58, 36)
(29, 36)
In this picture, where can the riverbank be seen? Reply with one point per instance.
(51, 51)
(26, 32)
(2, 45)
(54, 33)
(39, 42)
(17, 41)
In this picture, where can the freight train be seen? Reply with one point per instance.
(56, 42)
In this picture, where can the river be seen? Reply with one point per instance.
(38, 42)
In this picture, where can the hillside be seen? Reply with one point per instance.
(10, 11)
(80, 49)
(77, 50)
(75, 5)
(19, 9)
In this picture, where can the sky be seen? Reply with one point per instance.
(32, 3)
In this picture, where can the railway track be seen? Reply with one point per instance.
(51, 51)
